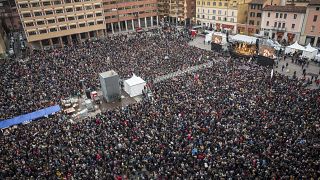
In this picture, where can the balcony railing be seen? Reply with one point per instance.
(278, 28)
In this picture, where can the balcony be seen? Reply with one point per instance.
(278, 28)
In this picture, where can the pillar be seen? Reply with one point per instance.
(151, 19)
(79, 37)
(50, 42)
(157, 20)
(139, 23)
(70, 40)
(315, 41)
(119, 26)
(145, 21)
(126, 23)
(41, 46)
(112, 28)
(133, 26)
(61, 42)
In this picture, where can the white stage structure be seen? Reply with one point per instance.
(134, 86)
(244, 38)
(294, 47)
(309, 52)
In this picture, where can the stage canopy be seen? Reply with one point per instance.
(310, 52)
(134, 86)
(244, 38)
(293, 47)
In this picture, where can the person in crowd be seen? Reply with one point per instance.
(228, 123)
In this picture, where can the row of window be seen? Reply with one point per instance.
(120, 1)
(48, 3)
(220, 12)
(216, 18)
(65, 27)
(253, 14)
(59, 11)
(278, 25)
(61, 19)
(215, 3)
(251, 22)
(256, 6)
(131, 14)
(284, 16)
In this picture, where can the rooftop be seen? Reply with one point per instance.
(314, 2)
(257, 2)
(287, 8)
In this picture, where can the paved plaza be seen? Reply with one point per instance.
(313, 68)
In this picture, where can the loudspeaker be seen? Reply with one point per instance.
(88, 91)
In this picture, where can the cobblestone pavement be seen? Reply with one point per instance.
(198, 42)
(313, 68)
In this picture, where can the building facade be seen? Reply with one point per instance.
(218, 15)
(3, 40)
(126, 15)
(311, 26)
(283, 23)
(58, 22)
(252, 22)
(9, 15)
(177, 11)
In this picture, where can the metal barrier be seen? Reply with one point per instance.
(182, 72)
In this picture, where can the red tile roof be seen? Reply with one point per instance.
(287, 8)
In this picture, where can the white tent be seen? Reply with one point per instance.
(244, 38)
(317, 58)
(209, 36)
(293, 47)
(309, 52)
(134, 86)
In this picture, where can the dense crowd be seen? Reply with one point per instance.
(228, 121)
(44, 78)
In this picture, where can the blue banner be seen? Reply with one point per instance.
(29, 117)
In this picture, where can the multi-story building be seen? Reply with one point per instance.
(253, 14)
(219, 15)
(129, 15)
(311, 26)
(177, 11)
(9, 15)
(58, 22)
(283, 23)
(2, 40)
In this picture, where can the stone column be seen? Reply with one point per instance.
(151, 19)
(126, 23)
(61, 42)
(157, 20)
(119, 26)
(139, 22)
(133, 26)
(112, 28)
(145, 21)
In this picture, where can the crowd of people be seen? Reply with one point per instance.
(46, 77)
(227, 121)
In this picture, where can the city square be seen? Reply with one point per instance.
(127, 91)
